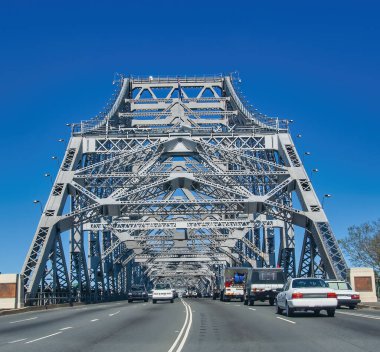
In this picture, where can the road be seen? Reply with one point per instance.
(191, 325)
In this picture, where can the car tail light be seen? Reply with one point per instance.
(297, 295)
(355, 296)
(331, 295)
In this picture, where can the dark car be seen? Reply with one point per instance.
(138, 293)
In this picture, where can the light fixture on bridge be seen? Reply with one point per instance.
(324, 197)
(36, 201)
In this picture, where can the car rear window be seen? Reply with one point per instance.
(339, 285)
(300, 283)
(137, 288)
(162, 287)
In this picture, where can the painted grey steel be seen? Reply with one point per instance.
(176, 179)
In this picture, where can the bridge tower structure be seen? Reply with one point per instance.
(176, 179)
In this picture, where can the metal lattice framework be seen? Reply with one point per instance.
(176, 180)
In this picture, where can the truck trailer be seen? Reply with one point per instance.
(263, 284)
(233, 283)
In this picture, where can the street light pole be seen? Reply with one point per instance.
(324, 197)
(38, 202)
(48, 175)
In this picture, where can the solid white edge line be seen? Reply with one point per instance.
(183, 327)
(45, 337)
(187, 331)
(16, 341)
(289, 321)
(19, 321)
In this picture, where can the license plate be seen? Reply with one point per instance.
(344, 297)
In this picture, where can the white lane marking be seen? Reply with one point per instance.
(251, 308)
(183, 334)
(289, 321)
(45, 337)
(16, 341)
(228, 303)
(19, 321)
(94, 319)
(237, 305)
(80, 308)
(112, 314)
(179, 349)
(66, 328)
(361, 315)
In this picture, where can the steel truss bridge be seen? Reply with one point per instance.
(176, 179)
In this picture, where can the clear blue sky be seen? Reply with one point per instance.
(314, 62)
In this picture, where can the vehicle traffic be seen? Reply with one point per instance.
(162, 292)
(345, 294)
(307, 294)
(263, 284)
(233, 283)
(138, 293)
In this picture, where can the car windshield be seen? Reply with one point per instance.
(137, 288)
(268, 277)
(339, 285)
(162, 287)
(300, 283)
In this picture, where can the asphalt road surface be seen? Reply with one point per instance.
(190, 325)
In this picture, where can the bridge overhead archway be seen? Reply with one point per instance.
(177, 179)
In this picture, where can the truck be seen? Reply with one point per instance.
(233, 283)
(263, 284)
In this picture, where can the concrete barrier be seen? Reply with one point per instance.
(363, 281)
(11, 291)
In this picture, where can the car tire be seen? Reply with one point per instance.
(241, 299)
(351, 307)
(317, 312)
(331, 313)
(154, 301)
(271, 301)
(245, 302)
(251, 302)
(129, 301)
(289, 311)
(172, 301)
(145, 300)
(278, 309)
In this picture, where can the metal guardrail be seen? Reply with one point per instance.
(49, 298)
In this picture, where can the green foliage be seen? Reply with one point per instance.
(362, 245)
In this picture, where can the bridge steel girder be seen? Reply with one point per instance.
(177, 176)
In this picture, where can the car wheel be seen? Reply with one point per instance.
(331, 312)
(154, 301)
(172, 301)
(245, 302)
(351, 307)
(251, 302)
(129, 301)
(145, 300)
(278, 309)
(241, 299)
(271, 301)
(316, 312)
(289, 311)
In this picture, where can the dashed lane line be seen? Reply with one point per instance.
(289, 321)
(112, 314)
(251, 308)
(94, 319)
(66, 328)
(17, 341)
(360, 315)
(44, 337)
(19, 321)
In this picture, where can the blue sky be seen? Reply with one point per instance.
(314, 62)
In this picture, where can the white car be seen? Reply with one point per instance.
(162, 292)
(346, 295)
(305, 294)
